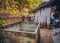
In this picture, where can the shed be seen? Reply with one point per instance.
(43, 13)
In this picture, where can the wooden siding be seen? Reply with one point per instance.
(43, 16)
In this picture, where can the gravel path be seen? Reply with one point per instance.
(46, 35)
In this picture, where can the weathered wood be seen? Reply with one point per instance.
(23, 36)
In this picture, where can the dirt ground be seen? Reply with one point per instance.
(46, 35)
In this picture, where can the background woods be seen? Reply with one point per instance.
(17, 7)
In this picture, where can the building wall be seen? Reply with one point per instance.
(37, 16)
(46, 0)
(43, 16)
(48, 15)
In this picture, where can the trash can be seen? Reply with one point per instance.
(56, 35)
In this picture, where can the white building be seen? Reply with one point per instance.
(43, 13)
(46, 0)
